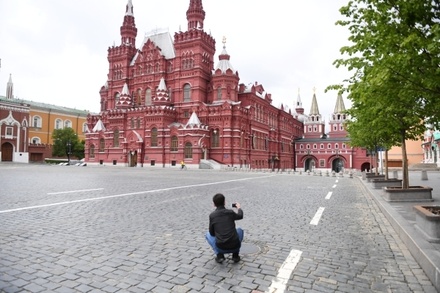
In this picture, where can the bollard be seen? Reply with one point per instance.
(424, 175)
(351, 175)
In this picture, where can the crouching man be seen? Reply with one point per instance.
(222, 235)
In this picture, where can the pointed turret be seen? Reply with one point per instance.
(299, 107)
(314, 110)
(162, 96)
(314, 126)
(128, 28)
(338, 118)
(193, 121)
(225, 79)
(339, 107)
(125, 98)
(10, 89)
(195, 15)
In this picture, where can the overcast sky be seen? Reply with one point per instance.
(56, 50)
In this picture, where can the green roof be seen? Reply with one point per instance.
(39, 105)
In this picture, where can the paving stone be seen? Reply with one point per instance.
(144, 241)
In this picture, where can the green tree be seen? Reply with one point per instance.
(394, 58)
(66, 143)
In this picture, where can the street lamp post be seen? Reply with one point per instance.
(69, 151)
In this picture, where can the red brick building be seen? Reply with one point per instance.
(331, 150)
(14, 123)
(169, 101)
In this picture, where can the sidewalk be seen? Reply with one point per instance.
(403, 219)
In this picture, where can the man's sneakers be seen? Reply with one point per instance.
(235, 257)
(220, 257)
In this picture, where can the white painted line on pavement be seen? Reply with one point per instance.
(329, 195)
(334, 186)
(317, 216)
(73, 191)
(128, 194)
(279, 284)
(337, 180)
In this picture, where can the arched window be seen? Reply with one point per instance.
(188, 152)
(101, 145)
(215, 139)
(187, 93)
(36, 121)
(58, 124)
(116, 138)
(174, 144)
(153, 142)
(117, 96)
(84, 128)
(36, 140)
(138, 97)
(67, 124)
(148, 97)
(92, 151)
(219, 93)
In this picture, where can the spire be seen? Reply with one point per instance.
(299, 106)
(224, 57)
(339, 107)
(128, 28)
(129, 8)
(195, 15)
(314, 109)
(298, 100)
(10, 89)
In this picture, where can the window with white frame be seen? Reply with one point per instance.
(36, 122)
(58, 124)
(9, 132)
(36, 140)
(67, 124)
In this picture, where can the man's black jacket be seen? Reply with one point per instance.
(222, 226)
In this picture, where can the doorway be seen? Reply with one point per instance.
(7, 150)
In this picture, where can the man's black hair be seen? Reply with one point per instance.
(219, 200)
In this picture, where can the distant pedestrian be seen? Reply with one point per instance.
(222, 235)
(182, 164)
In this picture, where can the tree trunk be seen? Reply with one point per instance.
(405, 175)
(386, 164)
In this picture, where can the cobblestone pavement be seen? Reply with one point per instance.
(112, 229)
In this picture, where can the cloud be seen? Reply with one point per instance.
(57, 50)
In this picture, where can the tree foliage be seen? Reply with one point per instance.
(62, 138)
(394, 58)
